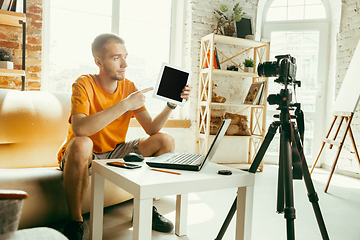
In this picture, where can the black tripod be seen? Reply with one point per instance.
(292, 164)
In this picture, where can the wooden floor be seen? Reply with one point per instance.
(207, 210)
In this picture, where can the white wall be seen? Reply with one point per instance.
(345, 34)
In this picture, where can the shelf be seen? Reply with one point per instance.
(10, 18)
(11, 72)
(230, 73)
(204, 103)
(234, 41)
(202, 135)
(259, 51)
(171, 123)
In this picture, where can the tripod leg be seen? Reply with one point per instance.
(286, 157)
(264, 146)
(280, 186)
(313, 197)
(227, 220)
(257, 160)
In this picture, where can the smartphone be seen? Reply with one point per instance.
(123, 165)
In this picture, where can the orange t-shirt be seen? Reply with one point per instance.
(89, 97)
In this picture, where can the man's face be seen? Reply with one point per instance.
(113, 61)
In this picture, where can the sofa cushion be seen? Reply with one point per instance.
(33, 127)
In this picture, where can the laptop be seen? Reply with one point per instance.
(189, 161)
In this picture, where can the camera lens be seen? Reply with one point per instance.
(268, 69)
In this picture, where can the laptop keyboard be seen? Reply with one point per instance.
(184, 158)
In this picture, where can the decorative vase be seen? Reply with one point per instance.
(248, 69)
(6, 64)
(229, 30)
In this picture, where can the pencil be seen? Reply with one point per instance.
(159, 170)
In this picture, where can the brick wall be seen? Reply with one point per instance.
(11, 38)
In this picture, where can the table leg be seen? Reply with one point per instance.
(181, 214)
(244, 214)
(142, 225)
(96, 206)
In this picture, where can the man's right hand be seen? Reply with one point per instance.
(137, 99)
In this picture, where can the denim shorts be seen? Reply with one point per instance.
(120, 151)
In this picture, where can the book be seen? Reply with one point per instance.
(207, 60)
(12, 5)
(19, 6)
(262, 95)
(255, 93)
(5, 4)
(217, 59)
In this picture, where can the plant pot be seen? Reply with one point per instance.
(229, 30)
(6, 64)
(248, 69)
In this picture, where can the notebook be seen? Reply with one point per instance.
(189, 161)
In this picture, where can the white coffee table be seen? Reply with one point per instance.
(145, 185)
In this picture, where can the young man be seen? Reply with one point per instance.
(101, 108)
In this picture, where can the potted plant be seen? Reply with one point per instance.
(5, 59)
(225, 23)
(249, 64)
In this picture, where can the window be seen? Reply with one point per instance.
(303, 35)
(283, 10)
(71, 26)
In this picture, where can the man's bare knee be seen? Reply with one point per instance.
(167, 142)
(79, 151)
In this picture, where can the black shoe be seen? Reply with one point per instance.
(160, 223)
(74, 230)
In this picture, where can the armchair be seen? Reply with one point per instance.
(11, 202)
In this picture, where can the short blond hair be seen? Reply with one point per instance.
(101, 40)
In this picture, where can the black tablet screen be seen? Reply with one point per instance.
(172, 83)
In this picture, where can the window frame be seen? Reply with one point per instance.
(323, 26)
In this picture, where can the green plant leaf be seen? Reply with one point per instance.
(248, 62)
(236, 8)
(223, 8)
(237, 18)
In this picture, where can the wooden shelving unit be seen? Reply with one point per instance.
(15, 19)
(257, 113)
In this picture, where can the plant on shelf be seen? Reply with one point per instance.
(5, 59)
(249, 63)
(225, 23)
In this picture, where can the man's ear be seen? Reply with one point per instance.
(97, 61)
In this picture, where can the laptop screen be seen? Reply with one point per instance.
(224, 126)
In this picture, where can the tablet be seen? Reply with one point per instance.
(170, 84)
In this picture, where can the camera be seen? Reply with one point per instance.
(284, 68)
